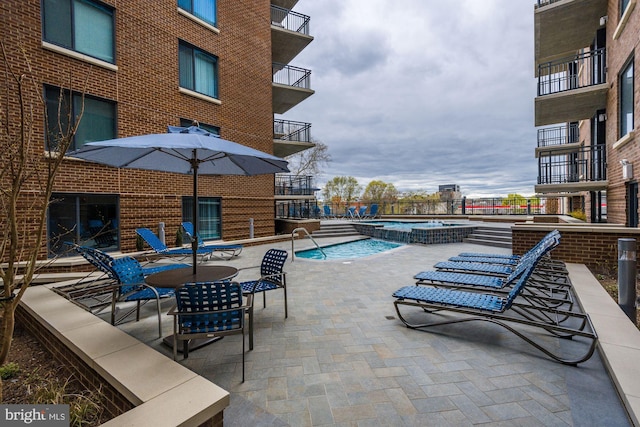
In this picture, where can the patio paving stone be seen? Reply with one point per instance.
(342, 358)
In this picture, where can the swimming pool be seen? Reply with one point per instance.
(348, 250)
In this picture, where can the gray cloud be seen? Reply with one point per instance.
(424, 93)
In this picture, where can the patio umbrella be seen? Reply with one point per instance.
(182, 150)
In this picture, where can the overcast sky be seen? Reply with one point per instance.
(421, 93)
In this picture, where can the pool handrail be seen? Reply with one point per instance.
(293, 252)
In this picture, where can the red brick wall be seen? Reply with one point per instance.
(596, 247)
(618, 52)
(145, 89)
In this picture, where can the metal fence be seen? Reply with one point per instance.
(558, 135)
(584, 165)
(291, 76)
(582, 70)
(295, 185)
(289, 20)
(291, 131)
(464, 206)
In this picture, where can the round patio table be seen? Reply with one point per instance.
(178, 277)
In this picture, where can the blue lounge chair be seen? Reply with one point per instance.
(226, 251)
(373, 212)
(327, 212)
(497, 310)
(535, 293)
(160, 248)
(361, 212)
(211, 309)
(350, 213)
(272, 276)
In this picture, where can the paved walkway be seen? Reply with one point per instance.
(343, 358)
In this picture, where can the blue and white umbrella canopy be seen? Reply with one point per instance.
(179, 151)
(182, 150)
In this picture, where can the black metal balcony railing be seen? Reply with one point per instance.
(583, 70)
(586, 165)
(559, 135)
(292, 185)
(289, 20)
(291, 131)
(291, 76)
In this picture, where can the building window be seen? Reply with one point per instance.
(80, 25)
(98, 120)
(209, 215)
(203, 9)
(86, 219)
(198, 70)
(215, 130)
(626, 99)
(623, 6)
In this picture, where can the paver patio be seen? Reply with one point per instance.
(343, 358)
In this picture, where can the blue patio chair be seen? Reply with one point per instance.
(272, 276)
(97, 294)
(361, 212)
(534, 293)
(131, 287)
(373, 212)
(548, 273)
(350, 213)
(226, 251)
(211, 309)
(497, 310)
(160, 248)
(327, 212)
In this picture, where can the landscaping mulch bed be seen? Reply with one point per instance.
(40, 376)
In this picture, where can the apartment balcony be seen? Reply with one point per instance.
(291, 137)
(289, 34)
(583, 170)
(562, 27)
(291, 86)
(571, 89)
(295, 186)
(559, 140)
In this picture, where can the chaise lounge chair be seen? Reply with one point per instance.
(535, 293)
(550, 275)
(226, 251)
(499, 310)
(160, 248)
(360, 213)
(373, 212)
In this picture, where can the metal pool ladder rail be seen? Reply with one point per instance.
(293, 252)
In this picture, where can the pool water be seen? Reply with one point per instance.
(355, 249)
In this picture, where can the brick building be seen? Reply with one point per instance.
(586, 106)
(143, 66)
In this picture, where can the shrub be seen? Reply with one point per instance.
(9, 370)
(578, 215)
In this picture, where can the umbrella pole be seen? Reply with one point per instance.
(194, 238)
